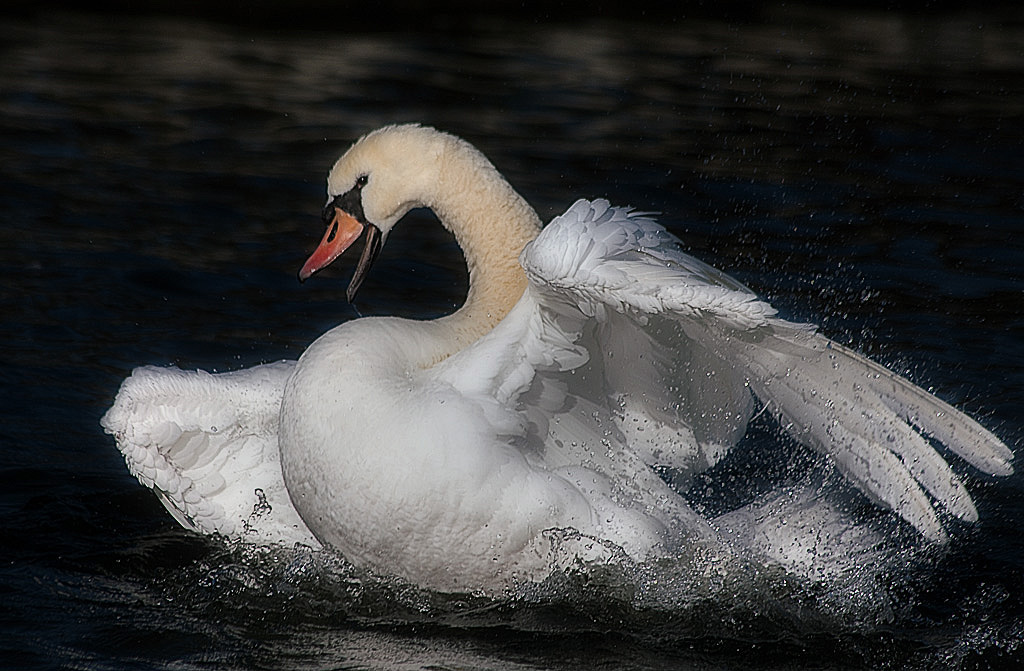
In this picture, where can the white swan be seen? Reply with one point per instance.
(585, 355)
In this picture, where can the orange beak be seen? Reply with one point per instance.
(342, 231)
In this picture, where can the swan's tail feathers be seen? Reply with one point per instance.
(206, 444)
(871, 422)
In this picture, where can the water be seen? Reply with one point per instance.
(160, 184)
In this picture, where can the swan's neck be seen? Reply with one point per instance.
(492, 223)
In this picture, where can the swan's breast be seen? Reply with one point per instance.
(403, 473)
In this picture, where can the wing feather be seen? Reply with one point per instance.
(206, 444)
(610, 264)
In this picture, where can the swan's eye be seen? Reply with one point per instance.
(361, 181)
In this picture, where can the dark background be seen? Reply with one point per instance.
(161, 177)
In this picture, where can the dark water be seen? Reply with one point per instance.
(160, 185)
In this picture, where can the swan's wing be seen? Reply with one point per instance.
(206, 444)
(623, 276)
(532, 381)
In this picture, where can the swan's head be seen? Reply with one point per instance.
(374, 184)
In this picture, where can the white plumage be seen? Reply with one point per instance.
(207, 445)
(585, 357)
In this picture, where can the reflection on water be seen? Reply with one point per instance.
(161, 183)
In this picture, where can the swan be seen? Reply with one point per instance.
(590, 358)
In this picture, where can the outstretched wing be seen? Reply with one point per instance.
(206, 444)
(683, 345)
